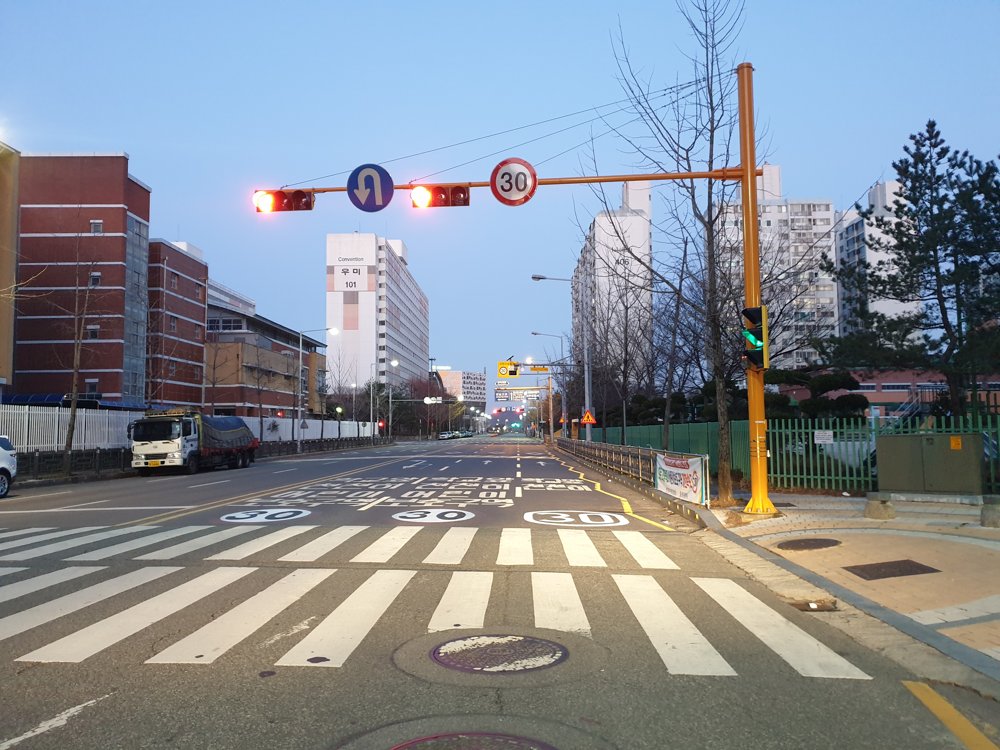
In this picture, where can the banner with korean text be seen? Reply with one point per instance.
(683, 476)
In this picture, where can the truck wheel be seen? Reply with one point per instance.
(235, 462)
(244, 460)
(192, 467)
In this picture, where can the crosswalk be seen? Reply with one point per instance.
(221, 609)
(617, 549)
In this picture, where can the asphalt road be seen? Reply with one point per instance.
(479, 593)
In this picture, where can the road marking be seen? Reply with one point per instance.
(9, 571)
(282, 471)
(203, 541)
(557, 603)
(443, 468)
(518, 492)
(517, 475)
(644, 552)
(318, 547)
(46, 537)
(679, 644)
(207, 484)
(78, 505)
(464, 602)
(801, 651)
(146, 541)
(451, 549)
(957, 724)
(79, 541)
(43, 613)
(458, 461)
(22, 532)
(515, 547)
(333, 640)
(56, 722)
(46, 494)
(304, 625)
(387, 545)
(90, 640)
(21, 588)
(207, 644)
(580, 550)
(243, 551)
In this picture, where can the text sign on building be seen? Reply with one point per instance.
(369, 187)
(350, 279)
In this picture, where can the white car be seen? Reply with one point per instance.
(8, 465)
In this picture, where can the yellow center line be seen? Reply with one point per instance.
(948, 715)
(172, 516)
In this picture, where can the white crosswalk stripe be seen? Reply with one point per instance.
(146, 541)
(80, 541)
(247, 549)
(557, 603)
(45, 537)
(452, 548)
(326, 543)
(464, 602)
(200, 543)
(580, 550)
(22, 532)
(644, 552)
(387, 545)
(515, 547)
(22, 588)
(9, 571)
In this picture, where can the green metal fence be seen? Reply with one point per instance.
(823, 454)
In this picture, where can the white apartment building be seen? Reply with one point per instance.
(379, 309)
(853, 237)
(468, 384)
(611, 285)
(794, 233)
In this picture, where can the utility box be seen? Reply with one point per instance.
(939, 462)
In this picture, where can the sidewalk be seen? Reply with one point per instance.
(932, 572)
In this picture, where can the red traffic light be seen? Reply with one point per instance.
(270, 201)
(438, 196)
(381, 423)
(280, 413)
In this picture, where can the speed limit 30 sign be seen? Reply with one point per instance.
(513, 181)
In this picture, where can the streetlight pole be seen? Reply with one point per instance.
(586, 351)
(298, 388)
(562, 356)
(388, 424)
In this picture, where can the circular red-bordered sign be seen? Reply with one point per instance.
(513, 181)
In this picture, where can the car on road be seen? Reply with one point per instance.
(445, 436)
(8, 465)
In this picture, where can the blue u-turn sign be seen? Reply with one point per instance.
(369, 187)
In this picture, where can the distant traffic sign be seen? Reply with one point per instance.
(588, 418)
(513, 181)
(539, 368)
(507, 369)
(369, 187)
(501, 395)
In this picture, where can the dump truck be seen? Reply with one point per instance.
(190, 441)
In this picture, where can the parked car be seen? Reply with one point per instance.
(8, 465)
(445, 436)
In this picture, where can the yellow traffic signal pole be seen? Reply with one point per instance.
(759, 501)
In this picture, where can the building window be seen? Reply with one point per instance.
(172, 369)
(197, 292)
(90, 388)
(173, 280)
(95, 278)
(173, 323)
(866, 387)
(895, 386)
(197, 333)
(93, 332)
(96, 226)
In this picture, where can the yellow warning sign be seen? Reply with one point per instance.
(956, 442)
(588, 418)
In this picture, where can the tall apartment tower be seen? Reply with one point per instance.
(611, 285)
(380, 310)
(794, 234)
(84, 254)
(854, 237)
(469, 384)
(175, 364)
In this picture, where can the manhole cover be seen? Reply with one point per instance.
(474, 741)
(808, 543)
(784, 505)
(891, 569)
(498, 654)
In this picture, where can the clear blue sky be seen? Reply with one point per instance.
(211, 100)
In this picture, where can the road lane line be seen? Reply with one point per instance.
(580, 550)
(53, 610)
(387, 545)
(801, 651)
(453, 546)
(557, 603)
(46, 537)
(85, 643)
(644, 552)
(207, 484)
(80, 505)
(203, 541)
(679, 644)
(517, 475)
(146, 541)
(207, 644)
(464, 602)
(443, 468)
(332, 641)
(283, 471)
(515, 547)
(947, 714)
(518, 492)
(44, 494)
(79, 541)
(318, 547)
(243, 551)
(21, 588)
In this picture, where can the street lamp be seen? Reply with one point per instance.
(586, 350)
(298, 386)
(339, 410)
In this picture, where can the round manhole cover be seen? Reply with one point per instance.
(498, 654)
(473, 741)
(808, 543)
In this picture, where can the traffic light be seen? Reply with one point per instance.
(438, 196)
(381, 423)
(755, 332)
(280, 413)
(270, 201)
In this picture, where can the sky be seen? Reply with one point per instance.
(213, 100)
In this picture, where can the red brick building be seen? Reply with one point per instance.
(178, 294)
(82, 306)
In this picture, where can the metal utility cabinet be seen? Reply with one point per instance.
(939, 462)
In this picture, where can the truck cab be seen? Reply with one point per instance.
(163, 441)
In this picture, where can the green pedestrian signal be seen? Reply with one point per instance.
(755, 332)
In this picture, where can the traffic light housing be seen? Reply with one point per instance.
(271, 201)
(381, 423)
(755, 333)
(439, 196)
(512, 369)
